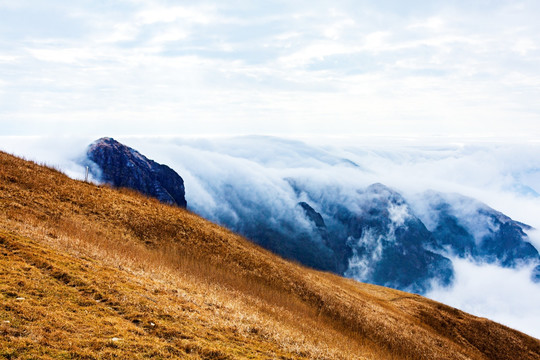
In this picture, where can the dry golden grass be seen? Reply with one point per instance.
(92, 272)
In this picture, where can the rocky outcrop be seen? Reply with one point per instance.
(313, 215)
(535, 276)
(122, 166)
(390, 245)
(467, 228)
(381, 239)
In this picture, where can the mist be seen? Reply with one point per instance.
(64, 153)
(501, 294)
(243, 182)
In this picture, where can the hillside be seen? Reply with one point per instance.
(91, 272)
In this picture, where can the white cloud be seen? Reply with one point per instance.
(120, 32)
(282, 68)
(524, 46)
(8, 59)
(433, 23)
(162, 14)
(398, 214)
(62, 55)
(534, 238)
(503, 295)
(376, 41)
(171, 35)
(315, 52)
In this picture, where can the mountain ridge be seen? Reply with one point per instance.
(122, 166)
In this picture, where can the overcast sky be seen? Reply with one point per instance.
(461, 68)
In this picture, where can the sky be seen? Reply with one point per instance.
(151, 67)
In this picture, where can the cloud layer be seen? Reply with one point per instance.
(503, 295)
(156, 67)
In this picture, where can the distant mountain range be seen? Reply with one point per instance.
(376, 237)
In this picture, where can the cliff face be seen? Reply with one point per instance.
(122, 166)
(470, 229)
(390, 245)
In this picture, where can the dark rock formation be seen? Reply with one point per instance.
(380, 239)
(122, 166)
(535, 276)
(312, 215)
(391, 246)
(468, 228)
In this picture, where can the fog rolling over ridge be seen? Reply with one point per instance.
(312, 200)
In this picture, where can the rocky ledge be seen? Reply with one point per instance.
(122, 166)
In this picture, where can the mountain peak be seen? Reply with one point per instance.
(122, 166)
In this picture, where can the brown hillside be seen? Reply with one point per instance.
(91, 272)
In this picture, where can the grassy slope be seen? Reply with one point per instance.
(90, 272)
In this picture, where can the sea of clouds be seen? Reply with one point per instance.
(238, 181)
